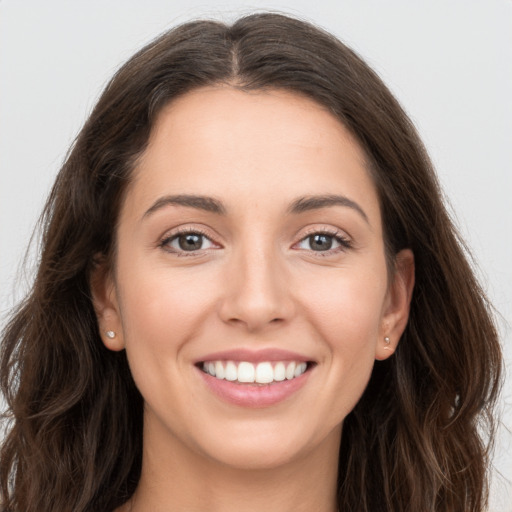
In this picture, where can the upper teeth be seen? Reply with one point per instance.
(262, 373)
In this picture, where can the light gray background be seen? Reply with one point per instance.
(448, 61)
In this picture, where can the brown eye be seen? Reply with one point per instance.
(187, 242)
(190, 242)
(324, 242)
(320, 242)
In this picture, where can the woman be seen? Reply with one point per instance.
(250, 296)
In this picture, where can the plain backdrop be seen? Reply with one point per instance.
(449, 62)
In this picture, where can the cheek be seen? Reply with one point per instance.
(346, 321)
(345, 311)
(163, 312)
(166, 307)
(346, 306)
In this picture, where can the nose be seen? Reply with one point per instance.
(257, 291)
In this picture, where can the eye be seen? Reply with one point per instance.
(324, 242)
(187, 241)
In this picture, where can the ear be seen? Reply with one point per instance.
(397, 305)
(106, 306)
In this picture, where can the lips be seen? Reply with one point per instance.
(255, 378)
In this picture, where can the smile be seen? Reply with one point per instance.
(264, 372)
(255, 378)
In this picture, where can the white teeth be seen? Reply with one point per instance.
(279, 372)
(246, 372)
(262, 373)
(219, 370)
(231, 371)
(290, 371)
(300, 369)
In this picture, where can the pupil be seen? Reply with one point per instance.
(190, 242)
(321, 242)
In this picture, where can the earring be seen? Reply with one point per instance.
(110, 334)
(387, 341)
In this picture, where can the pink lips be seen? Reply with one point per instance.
(254, 356)
(254, 395)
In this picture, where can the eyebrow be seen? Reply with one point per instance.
(208, 204)
(308, 203)
(300, 205)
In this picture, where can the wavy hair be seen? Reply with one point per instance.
(418, 440)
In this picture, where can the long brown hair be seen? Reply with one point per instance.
(74, 427)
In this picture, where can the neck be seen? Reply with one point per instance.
(178, 479)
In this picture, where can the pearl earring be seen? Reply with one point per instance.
(110, 334)
(387, 341)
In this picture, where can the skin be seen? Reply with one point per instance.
(257, 282)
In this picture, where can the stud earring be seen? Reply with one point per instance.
(110, 334)
(387, 341)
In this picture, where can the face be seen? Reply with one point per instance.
(250, 288)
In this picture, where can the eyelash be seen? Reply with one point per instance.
(181, 232)
(345, 243)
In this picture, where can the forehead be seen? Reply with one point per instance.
(228, 121)
(250, 146)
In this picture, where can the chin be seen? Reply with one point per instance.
(256, 447)
(254, 455)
